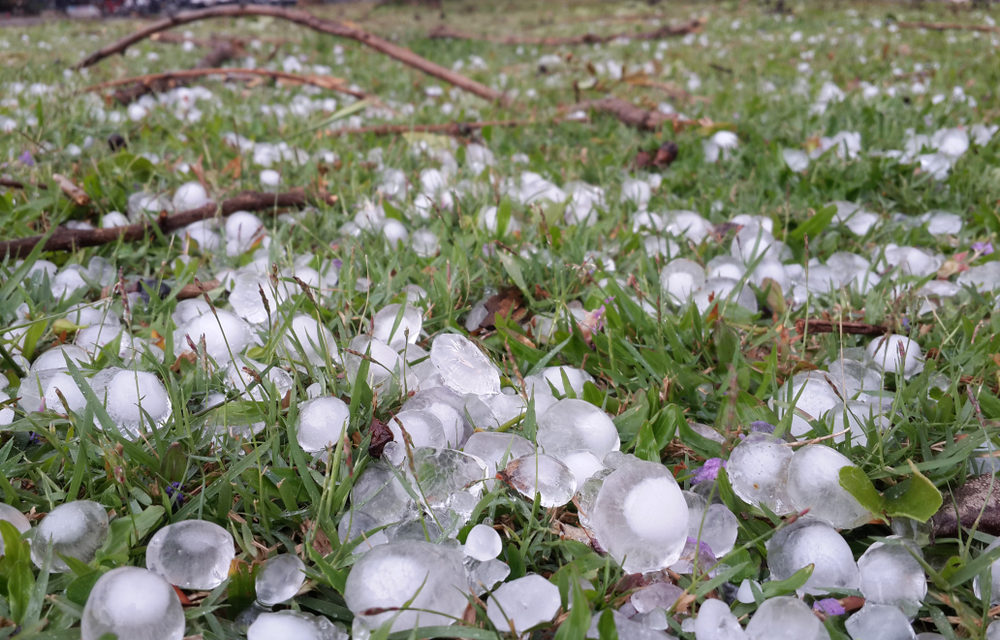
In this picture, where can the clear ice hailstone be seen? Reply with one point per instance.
(719, 290)
(243, 229)
(356, 528)
(384, 363)
(796, 159)
(40, 392)
(425, 243)
(279, 579)
(757, 470)
(891, 574)
(814, 484)
(813, 542)
(321, 423)
(260, 383)
(879, 622)
(543, 475)
(56, 357)
(785, 618)
(496, 449)
(521, 604)
(397, 324)
(810, 395)
(378, 492)
(76, 529)
(711, 524)
(571, 424)
(716, 622)
(226, 335)
(191, 554)
(136, 401)
(246, 299)
(190, 195)
(13, 516)
(132, 603)
(447, 479)
(407, 584)
(992, 632)
(483, 543)
(421, 428)
(293, 625)
(308, 338)
(463, 367)
(640, 516)
(484, 576)
(994, 576)
(680, 278)
(896, 354)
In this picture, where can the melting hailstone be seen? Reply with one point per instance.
(76, 529)
(132, 603)
(192, 554)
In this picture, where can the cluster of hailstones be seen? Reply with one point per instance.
(447, 444)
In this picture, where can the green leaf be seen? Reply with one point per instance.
(513, 269)
(16, 571)
(789, 584)
(606, 628)
(916, 497)
(578, 622)
(814, 225)
(125, 532)
(856, 483)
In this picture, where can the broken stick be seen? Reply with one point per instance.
(631, 114)
(162, 81)
(444, 31)
(827, 326)
(64, 239)
(331, 27)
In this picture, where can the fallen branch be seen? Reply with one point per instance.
(444, 31)
(197, 289)
(238, 42)
(673, 91)
(948, 26)
(827, 326)
(64, 239)
(305, 19)
(631, 114)
(17, 184)
(161, 81)
(447, 128)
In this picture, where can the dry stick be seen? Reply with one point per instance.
(948, 26)
(449, 128)
(164, 79)
(631, 114)
(827, 326)
(305, 19)
(221, 52)
(17, 184)
(71, 239)
(236, 41)
(444, 31)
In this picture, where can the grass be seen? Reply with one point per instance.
(657, 372)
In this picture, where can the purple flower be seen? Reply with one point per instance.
(906, 323)
(761, 426)
(337, 262)
(175, 493)
(983, 248)
(26, 159)
(708, 471)
(829, 606)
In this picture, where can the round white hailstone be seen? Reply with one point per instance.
(14, 517)
(310, 339)
(425, 243)
(395, 232)
(572, 424)
(808, 541)
(242, 230)
(270, 178)
(137, 112)
(463, 367)
(191, 554)
(190, 195)
(814, 484)
(134, 398)
(288, 624)
(397, 325)
(523, 603)
(785, 618)
(226, 335)
(483, 543)
(113, 219)
(279, 579)
(757, 468)
(897, 354)
(680, 278)
(6, 417)
(75, 529)
(133, 603)
(321, 423)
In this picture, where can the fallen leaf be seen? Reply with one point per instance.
(381, 436)
(508, 302)
(659, 158)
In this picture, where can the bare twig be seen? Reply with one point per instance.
(444, 31)
(448, 128)
(238, 42)
(196, 289)
(17, 184)
(71, 191)
(631, 114)
(948, 26)
(827, 326)
(165, 80)
(64, 239)
(305, 19)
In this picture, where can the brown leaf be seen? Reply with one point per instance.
(508, 302)
(381, 436)
(979, 495)
(659, 158)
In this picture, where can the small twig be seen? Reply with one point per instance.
(71, 191)
(162, 80)
(444, 31)
(828, 326)
(306, 19)
(196, 289)
(64, 239)
(632, 115)
(450, 128)
(17, 184)
(948, 26)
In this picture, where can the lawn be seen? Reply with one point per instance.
(779, 296)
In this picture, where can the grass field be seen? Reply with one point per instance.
(579, 286)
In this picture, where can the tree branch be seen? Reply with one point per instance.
(331, 27)
(71, 239)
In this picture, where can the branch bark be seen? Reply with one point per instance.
(72, 239)
(169, 79)
(331, 27)
(948, 26)
(827, 326)
(445, 31)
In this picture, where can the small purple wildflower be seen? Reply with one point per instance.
(175, 493)
(983, 248)
(337, 262)
(906, 323)
(34, 438)
(708, 471)
(26, 159)
(598, 316)
(829, 606)
(761, 426)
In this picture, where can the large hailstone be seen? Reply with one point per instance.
(640, 516)
(132, 603)
(896, 354)
(192, 554)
